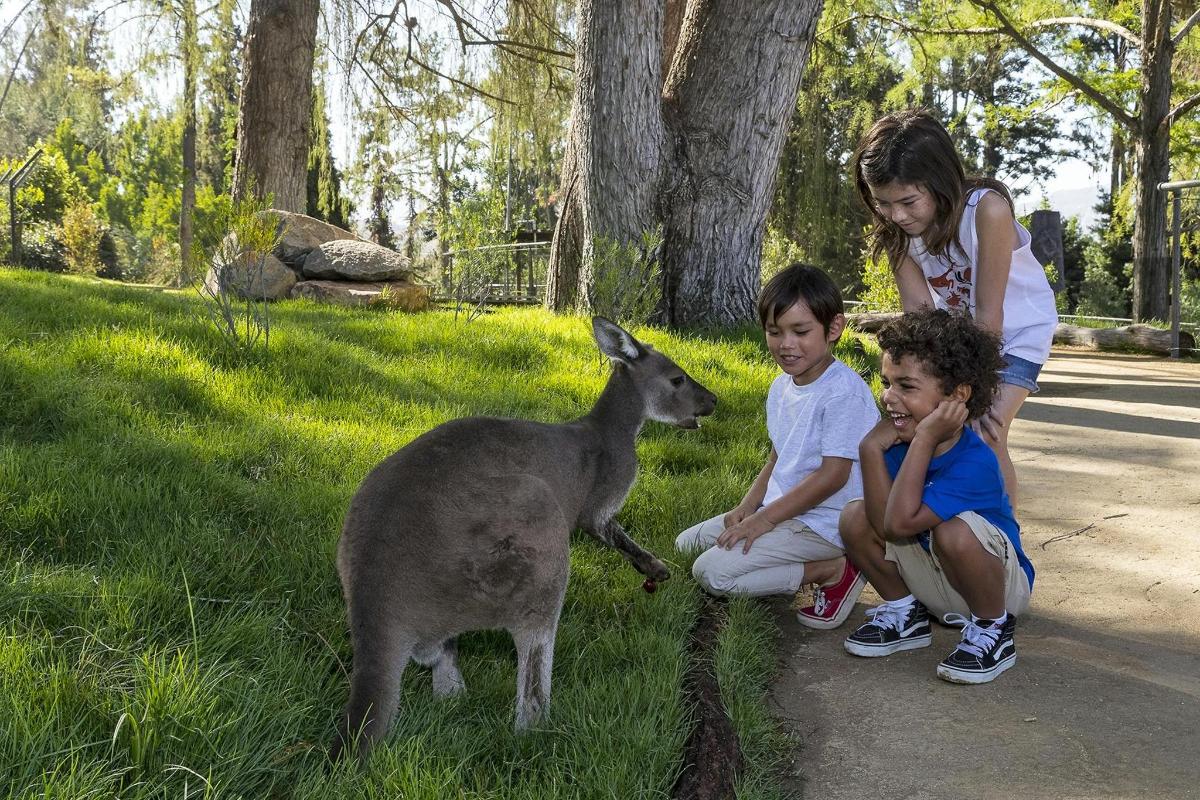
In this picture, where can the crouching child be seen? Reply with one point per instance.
(934, 532)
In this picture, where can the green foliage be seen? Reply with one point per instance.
(626, 284)
(42, 247)
(235, 238)
(1060, 298)
(82, 231)
(778, 252)
(170, 617)
(50, 188)
(324, 181)
(881, 292)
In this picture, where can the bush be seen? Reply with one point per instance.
(626, 281)
(1100, 296)
(42, 247)
(882, 293)
(778, 252)
(82, 231)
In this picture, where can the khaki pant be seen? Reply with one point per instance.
(774, 565)
(924, 577)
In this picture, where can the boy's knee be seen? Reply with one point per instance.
(954, 539)
(709, 576)
(853, 524)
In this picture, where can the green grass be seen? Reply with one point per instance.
(170, 618)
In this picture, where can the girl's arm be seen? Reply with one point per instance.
(914, 291)
(996, 235)
(815, 487)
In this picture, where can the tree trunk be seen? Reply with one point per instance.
(273, 113)
(1151, 267)
(614, 155)
(728, 101)
(187, 203)
(695, 154)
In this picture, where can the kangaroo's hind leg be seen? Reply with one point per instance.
(381, 653)
(443, 657)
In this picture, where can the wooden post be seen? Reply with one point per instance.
(1047, 244)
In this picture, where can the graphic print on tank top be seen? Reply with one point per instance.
(954, 286)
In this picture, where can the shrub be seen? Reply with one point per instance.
(626, 283)
(882, 293)
(42, 247)
(82, 231)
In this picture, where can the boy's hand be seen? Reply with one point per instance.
(747, 530)
(883, 436)
(737, 515)
(945, 421)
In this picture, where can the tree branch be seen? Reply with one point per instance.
(1099, 98)
(1089, 22)
(1185, 27)
(1181, 110)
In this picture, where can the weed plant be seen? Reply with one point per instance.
(171, 623)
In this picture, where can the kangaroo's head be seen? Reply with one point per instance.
(670, 395)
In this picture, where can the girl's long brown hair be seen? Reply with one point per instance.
(912, 147)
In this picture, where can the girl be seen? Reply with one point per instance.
(954, 243)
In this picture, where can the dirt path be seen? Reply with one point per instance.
(1105, 699)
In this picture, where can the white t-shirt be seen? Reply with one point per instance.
(828, 417)
(1029, 313)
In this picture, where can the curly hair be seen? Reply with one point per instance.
(953, 349)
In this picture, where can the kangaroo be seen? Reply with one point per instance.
(467, 528)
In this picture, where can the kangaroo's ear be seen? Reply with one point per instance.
(615, 342)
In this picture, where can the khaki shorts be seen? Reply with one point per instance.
(924, 577)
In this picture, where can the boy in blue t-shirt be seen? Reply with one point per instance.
(934, 528)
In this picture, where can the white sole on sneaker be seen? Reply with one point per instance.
(961, 676)
(877, 650)
(843, 613)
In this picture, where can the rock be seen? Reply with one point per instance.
(300, 234)
(400, 295)
(355, 261)
(243, 278)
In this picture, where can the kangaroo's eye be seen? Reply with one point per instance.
(677, 381)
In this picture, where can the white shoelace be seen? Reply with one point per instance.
(886, 616)
(819, 601)
(975, 640)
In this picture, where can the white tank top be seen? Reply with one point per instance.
(1029, 313)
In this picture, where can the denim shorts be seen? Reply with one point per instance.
(1020, 372)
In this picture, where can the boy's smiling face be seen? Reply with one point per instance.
(910, 393)
(800, 344)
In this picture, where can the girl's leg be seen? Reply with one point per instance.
(1007, 404)
(866, 550)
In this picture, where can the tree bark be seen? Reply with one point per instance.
(187, 203)
(1152, 269)
(614, 154)
(695, 153)
(273, 112)
(728, 101)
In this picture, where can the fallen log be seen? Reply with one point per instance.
(1141, 338)
(1129, 338)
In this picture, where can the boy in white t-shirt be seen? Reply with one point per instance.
(784, 533)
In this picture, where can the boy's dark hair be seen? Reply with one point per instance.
(802, 283)
(953, 349)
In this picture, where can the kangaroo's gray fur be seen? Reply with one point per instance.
(467, 528)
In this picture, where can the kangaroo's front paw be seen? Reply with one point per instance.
(655, 570)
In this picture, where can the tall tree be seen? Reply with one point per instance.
(1147, 126)
(273, 118)
(216, 138)
(693, 152)
(187, 203)
(324, 182)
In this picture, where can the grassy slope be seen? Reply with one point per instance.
(170, 618)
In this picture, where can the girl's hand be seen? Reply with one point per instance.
(747, 530)
(988, 426)
(945, 421)
(882, 437)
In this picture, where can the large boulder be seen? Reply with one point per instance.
(300, 234)
(400, 295)
(241, 276)
(355, 261)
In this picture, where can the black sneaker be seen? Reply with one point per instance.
(982, 654)
(891, 631)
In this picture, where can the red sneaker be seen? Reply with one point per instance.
(832, 604)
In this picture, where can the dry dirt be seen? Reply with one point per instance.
(1104, 701)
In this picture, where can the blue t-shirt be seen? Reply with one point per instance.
(966, 478)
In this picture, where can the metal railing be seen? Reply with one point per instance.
(495, 274)
(1176, 189)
